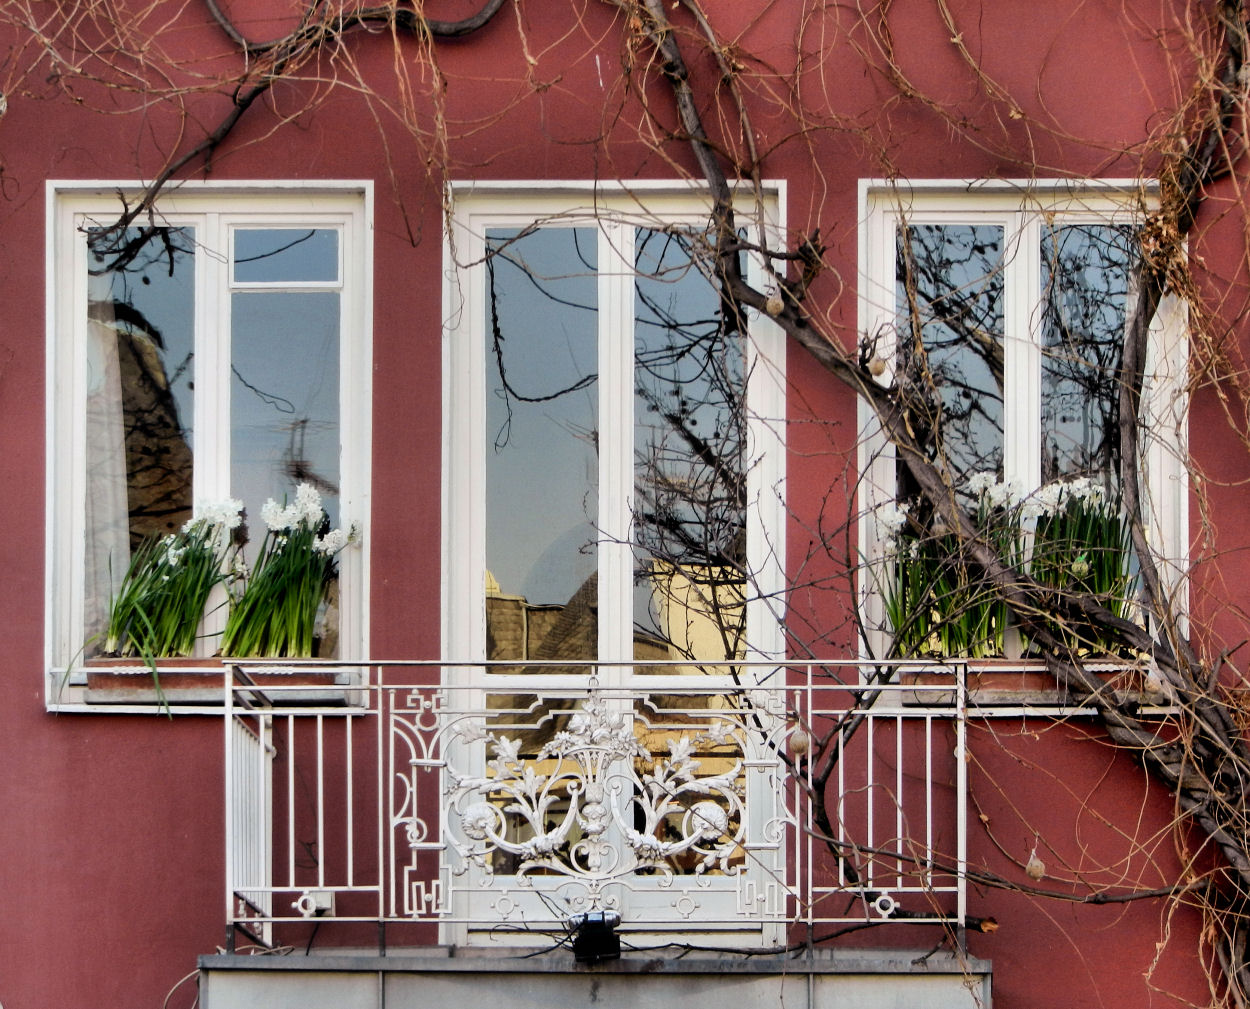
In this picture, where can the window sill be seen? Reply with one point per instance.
(1025, 683)
(202, 682)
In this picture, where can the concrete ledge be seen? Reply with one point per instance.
(451, 959)
(835, 979)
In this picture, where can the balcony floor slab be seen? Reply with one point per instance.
(438, 978)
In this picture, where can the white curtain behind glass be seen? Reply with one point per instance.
(107, 546)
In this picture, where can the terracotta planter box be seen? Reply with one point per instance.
(1001, 682)
(186, 680)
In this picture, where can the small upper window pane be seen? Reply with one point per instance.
(286, 255)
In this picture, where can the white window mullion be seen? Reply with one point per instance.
(464, 488)
(765, 472)
(1022, 352)
(877, 321)
(616, 440)
(211, 411)
(211, 431)
(71, 504)
(1164, 479)
(355, 395)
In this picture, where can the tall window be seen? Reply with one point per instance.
(1004, 311)
(612, 475)
(214, 350)
(613, 505)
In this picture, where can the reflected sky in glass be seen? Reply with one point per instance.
(284, 398)
(284, 369)
(143, 289)
(950, 321)
(688, 447)
(286, 255)
(542, 414)
(1085, 270)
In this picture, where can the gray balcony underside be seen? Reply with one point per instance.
(841, 979)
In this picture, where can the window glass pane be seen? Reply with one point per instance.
(286, 255)
(284, 399)
(541, 436)
(950, 309)
(139, 398)
(689, 441)
(1085, 271)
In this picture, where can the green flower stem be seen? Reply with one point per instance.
(157, 609)
(275, 613)
(936, 605)
(1083, 547)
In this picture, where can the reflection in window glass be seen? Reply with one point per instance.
(950, 310)
(286, 255)
(284, 398)
(689, 441)
(541, 454)
(139, 402)
(1084, 286)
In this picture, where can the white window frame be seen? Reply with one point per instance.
(213, 208)
(615, 212)
(1020, 207)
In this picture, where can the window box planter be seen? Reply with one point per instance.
(1021, 682)
(187, 680)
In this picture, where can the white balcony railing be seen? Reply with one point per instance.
(758, 805)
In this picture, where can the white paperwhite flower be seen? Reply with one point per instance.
(270, 513)
(1089, 491)
(308, 505)
(1006, 494)
(1049, 499)
(277, 518)
(332, 542)
(1082, 488)
(227, 514)
(1054, 497)
(306, 510)
(892, 519)
(979, 483)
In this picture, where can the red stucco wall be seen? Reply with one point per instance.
(111, 834)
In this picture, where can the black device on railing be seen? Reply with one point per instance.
(594, 936)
